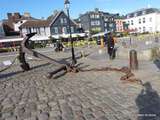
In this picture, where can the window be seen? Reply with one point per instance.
(131, 22)
(150, 29)
(150, 19)
(135, 15)
(44, 30)
(110, 25)
(144, 29)
(128, 22)
(92, 16)
(97, 22)
(106, 19)
(96, 16)
(72, 29)
(139, 21)
(144, 12)
(55, 30)
(144, 20)
(65, 20)
(105, 24)
(92, 23)
(64, 30)
(28, 30)
(139, 29)
(38, 31)
(61, 20)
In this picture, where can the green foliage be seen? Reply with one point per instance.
(155, 53)
(95, 31)
(125, 34)
(6, 50)
(40, 45)
(80, 43)
(52, 40)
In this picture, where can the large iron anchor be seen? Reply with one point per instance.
(24, 48)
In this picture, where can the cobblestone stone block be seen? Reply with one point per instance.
(43, 116)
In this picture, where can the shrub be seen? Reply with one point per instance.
(155, 53)
(5, 50)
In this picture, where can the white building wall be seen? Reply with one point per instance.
(158, 22)
(24, 31)
(151, 23)
(48, 32)
(43, 32)
(17, 25)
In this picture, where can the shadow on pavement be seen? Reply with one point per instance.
(148, 103)
(61, 61)
(157, 63)
(9, 74)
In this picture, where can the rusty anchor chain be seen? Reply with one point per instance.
(128, 77)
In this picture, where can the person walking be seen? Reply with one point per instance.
(110, 45)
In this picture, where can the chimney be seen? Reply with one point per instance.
(17, 15)
(96, 10)
(9, 15)
(27, 14)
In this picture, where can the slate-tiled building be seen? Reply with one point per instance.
(59, 24)
(98, 21)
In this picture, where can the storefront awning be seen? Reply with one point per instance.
(100, 34)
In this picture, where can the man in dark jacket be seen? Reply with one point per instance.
(110, 45)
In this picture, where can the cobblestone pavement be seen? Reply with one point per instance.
(81, 96)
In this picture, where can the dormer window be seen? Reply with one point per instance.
(144, 12)
(127, 16)
(135, 15)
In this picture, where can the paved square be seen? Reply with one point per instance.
(81, 96)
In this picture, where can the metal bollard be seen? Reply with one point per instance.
(133, 60)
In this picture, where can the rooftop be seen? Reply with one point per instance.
(36, 23)
(143, 11)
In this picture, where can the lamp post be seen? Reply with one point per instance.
(67, 5)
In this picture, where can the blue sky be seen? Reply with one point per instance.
(44, 8)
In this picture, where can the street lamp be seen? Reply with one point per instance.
(67, 6)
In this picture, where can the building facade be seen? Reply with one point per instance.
(120, 25)
(59, 24)
(56, 25)
(1, 30)
(41, 27)
(144, 20)
(97, 21)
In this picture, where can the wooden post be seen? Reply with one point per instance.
(133, 60)
(102, 42)
(1, 45)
